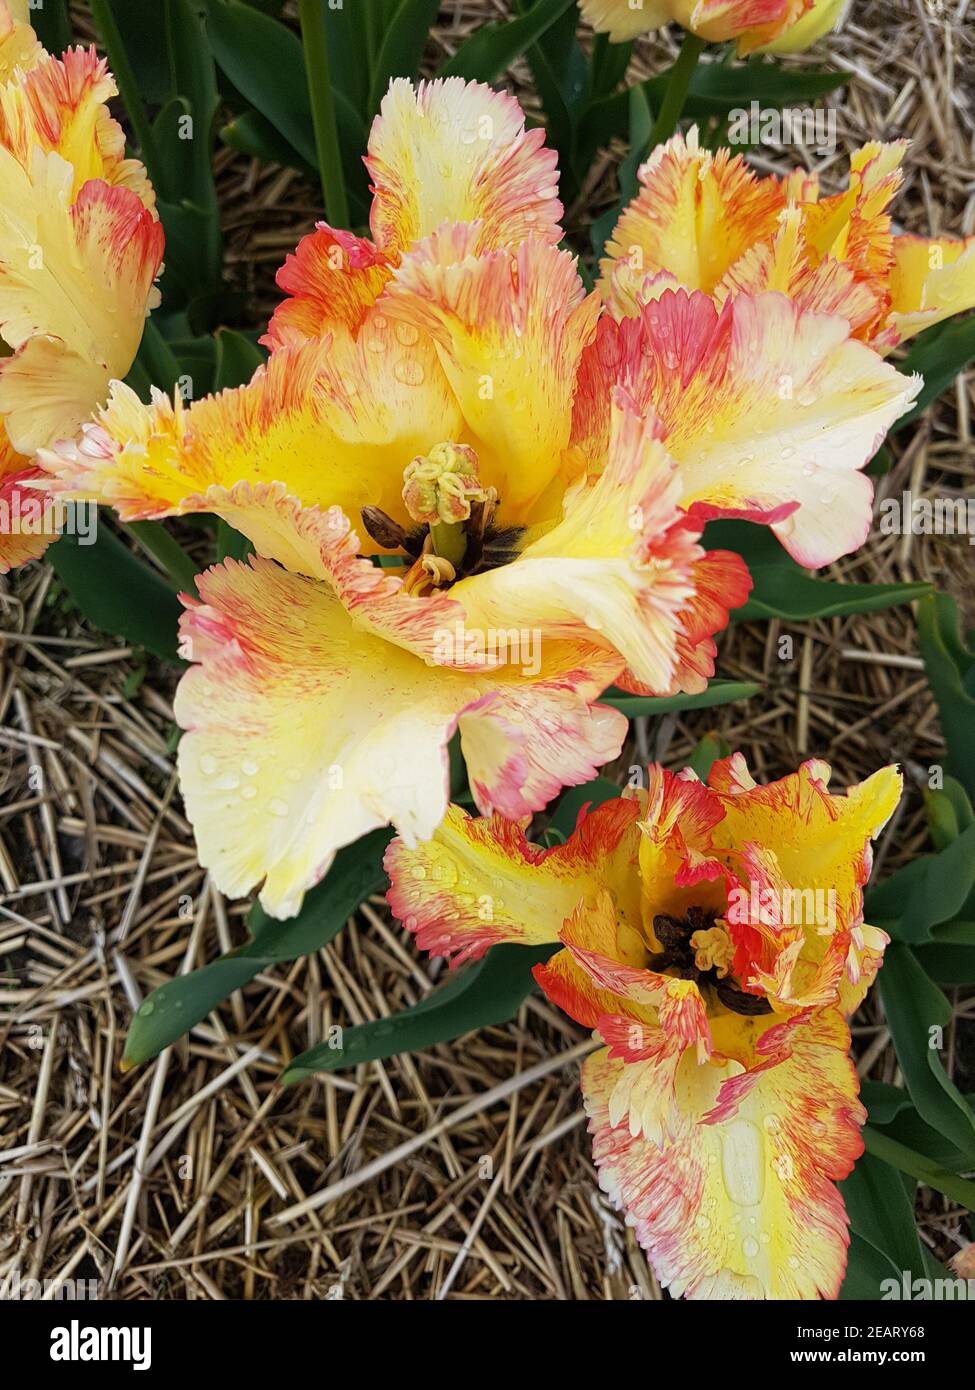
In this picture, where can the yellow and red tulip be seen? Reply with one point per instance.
(445, 397)
(776, 26)
(705, 221)
(713, 938)
(80, 246)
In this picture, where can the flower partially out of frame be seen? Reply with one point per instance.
(776, 26)
(80, 247)
(713, 938)
(446, 460)
(703, 220)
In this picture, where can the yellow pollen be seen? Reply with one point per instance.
(713, 950)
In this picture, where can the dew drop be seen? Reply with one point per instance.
(146, 1009)
(277, 807)
(407, 334)
(408, 372)
(249, 793)
(249, 767)
(208, 764)
(750, 1247)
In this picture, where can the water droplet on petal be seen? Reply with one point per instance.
(750, 1247)
(277, 807)
(208, 764)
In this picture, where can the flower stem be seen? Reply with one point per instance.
(128, 88)
(312, 17)
(153, 537)
(677, 89)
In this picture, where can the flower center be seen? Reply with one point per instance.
(696, 948)
(455, 535)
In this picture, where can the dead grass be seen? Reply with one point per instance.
(464, 1171)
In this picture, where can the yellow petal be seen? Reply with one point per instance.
(456, 151)
(479, 882)
(741, 1204)
(697, 212)
(75, 285)
(617, 569)
(334, 421)
(930, 281)
(510, 330)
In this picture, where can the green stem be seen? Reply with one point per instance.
(677, 89)
(312, 17)
(153, 538)
(373, 33)
(128, 87)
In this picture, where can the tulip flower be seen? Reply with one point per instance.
(80, 246)
(712, 936)
(776, 26)
(705, 221)
(473, 506)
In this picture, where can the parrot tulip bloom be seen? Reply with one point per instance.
(80, 246)
(776, 26)
(473, 508)
(703, 220)
(713, 938)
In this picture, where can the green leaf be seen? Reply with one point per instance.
(117, 592)
(706, 753)
(402, 47)
(592, 793)
(913, 1005)
(950, 666)
(783, 589)
(714, 91)
(882, 1213)
(488, 992)
(915, 1165)
(494, 47)
(929, 891)
(52, 25)
(939, 354)
(238, 358)
(264, 61)
(253, 134)
(180, 1004)
(866, 1269)
(719, 692)
(949, 812)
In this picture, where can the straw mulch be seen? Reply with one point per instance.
(463, 1172)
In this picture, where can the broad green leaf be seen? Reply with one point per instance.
(915, 1165)
(140, 24)
(949, 812)
(494, 47)
(950, 665)
(706, 753)
(719, 692)
(783, 589)
(927, 892)
(52, 25)
(866, 1269)
(892, 1113)
(265, 62)
(177, 1006)
(640, 129)
(882, 1213)
(714, 91)
(593, 793)
(939, 355)
(117, 592)
(237, 359)
(487, 992)
(403, 44)
(949, 958)
(914, 1007)
(253, 134)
